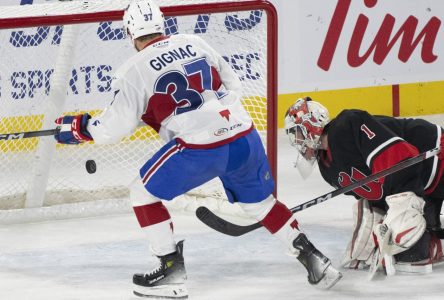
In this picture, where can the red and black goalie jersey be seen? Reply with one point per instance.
(360, 144)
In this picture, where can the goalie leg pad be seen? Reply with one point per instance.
(362, 245)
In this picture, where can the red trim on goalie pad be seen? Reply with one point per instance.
(151, 214)
(277, 217)
(435, 250)
(375, 240)
(393, 155)
(357, 226)
(400, 235)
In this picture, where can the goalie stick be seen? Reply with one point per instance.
(28, 134)
(223, 226)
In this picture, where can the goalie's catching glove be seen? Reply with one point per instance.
(73, 129)
(403, 225)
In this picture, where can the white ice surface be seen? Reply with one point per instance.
(95, 258)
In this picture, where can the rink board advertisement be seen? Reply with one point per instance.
(344, 43)
(324, 45)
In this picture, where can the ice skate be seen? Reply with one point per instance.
(320, 271)
(167, 280)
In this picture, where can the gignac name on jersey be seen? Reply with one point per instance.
(166, 58)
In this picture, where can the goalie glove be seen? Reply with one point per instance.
(403, 225)
(73, 129)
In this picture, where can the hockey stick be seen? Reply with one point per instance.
(28, 134)
(223, 226)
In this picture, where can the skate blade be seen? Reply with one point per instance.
(331, 277)
(170, 291)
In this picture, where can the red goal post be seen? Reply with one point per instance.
(39, 174)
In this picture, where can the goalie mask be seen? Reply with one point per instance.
(143, 17)
(304, 122)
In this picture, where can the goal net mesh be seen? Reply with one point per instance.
(47, 71)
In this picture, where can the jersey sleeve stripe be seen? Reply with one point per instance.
(392, 155)
(380, 148)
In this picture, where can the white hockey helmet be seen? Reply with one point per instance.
(304, 123)
(143, 17)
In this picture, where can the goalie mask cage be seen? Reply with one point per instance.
(59, 58)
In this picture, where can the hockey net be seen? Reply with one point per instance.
(59, 58)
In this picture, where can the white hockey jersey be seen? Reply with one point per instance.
(182, 88)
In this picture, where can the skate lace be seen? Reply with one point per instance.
(155, 270)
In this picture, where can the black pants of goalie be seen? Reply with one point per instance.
(320, 271)
(165, 281)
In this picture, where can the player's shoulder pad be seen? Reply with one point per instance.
(353, 114)
(351, 118)
(194, 38)
(187, 37)
(128, 66)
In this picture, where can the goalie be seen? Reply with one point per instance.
(398, 215)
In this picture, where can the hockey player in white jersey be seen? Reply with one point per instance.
(188, 93)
